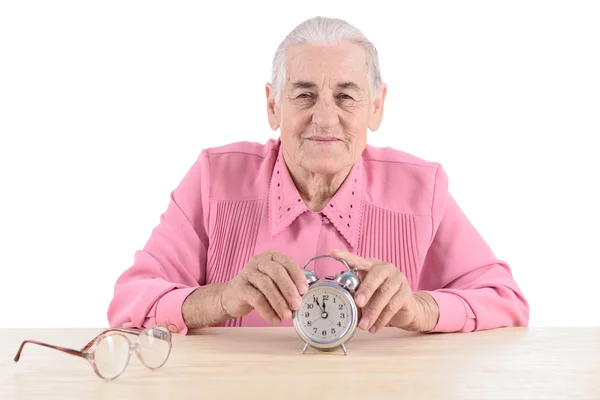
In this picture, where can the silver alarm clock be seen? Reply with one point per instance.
(328, 316)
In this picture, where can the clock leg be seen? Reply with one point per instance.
(344, 348)
(304, 349)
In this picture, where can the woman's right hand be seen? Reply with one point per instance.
(271, 283)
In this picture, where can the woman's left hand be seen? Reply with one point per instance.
(385, 296)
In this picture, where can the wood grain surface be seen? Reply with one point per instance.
(267, 363)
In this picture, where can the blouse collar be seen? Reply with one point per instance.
(344, 210)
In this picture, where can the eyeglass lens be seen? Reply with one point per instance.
(112, 351)
(154, 346)
(112, 355)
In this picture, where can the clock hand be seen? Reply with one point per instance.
(321, 308)
(320, 317)
(311, 323)
(323, 303)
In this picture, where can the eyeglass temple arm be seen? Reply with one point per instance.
(133, 331)
(63, 349)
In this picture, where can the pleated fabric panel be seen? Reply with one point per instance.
(235, 233)
(390, 237)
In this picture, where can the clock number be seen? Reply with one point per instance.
(341, 307)
(325, 297)
(315, 330)
(342, 315)
(308, 323)
(310, 306)
(340, 324)
(334, 300)
(315, 300)
(306, 314)
(324, 332)
(333, 330)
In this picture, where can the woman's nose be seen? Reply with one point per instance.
(325, 114)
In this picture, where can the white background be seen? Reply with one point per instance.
(105, 105)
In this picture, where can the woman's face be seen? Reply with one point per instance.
(324, 108)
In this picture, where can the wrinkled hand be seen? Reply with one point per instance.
(385, 296)
(271, 283)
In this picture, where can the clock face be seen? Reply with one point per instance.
(326, 314)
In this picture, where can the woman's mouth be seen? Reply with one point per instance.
(323, 139)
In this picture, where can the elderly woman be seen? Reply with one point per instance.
(230, 247)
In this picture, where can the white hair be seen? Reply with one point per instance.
(321, 30)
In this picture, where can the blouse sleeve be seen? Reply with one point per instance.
(172, 263)
(473, 289)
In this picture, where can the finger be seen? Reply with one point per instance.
(268, 288)
(370, 283)
(380, 299)
(405, 317)
(279, 275)
(260, 303)
(394, 306)
(293, 270)
(352, 259)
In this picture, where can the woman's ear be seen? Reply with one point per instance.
(376, 114)
(271, 108)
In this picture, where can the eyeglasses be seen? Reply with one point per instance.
(109, 352)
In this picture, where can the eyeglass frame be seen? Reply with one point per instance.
(89, 355)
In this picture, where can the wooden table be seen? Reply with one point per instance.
(267, 363)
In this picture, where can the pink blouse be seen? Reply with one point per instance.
(239, 200)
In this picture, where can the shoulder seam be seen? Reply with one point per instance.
(424, 165)
(395, 212)
(262, 196)
(220, 152)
